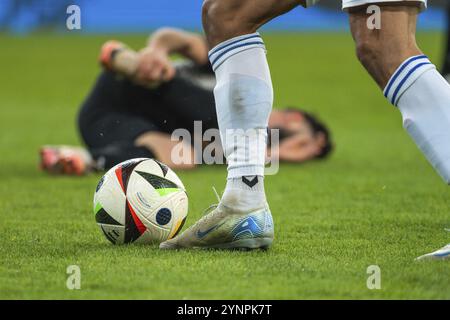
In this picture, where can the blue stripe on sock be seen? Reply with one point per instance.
(397, 74)
(394, 97)
(233, 42)
(235, 47)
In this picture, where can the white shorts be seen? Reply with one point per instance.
(355, 3)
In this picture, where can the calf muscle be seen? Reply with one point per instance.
(226, 19)
(381, 51)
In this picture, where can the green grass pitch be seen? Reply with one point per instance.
(375, 202)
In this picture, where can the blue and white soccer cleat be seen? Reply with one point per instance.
(441, 254)
(221, 228)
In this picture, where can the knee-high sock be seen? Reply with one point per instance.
(244, 98)
(423, 97)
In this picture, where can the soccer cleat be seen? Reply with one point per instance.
(65, 160)
(108, 51)
(221, 228)
(441, 254)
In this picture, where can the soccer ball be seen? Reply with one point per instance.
(140, 200)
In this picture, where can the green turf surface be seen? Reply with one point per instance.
(375, 202)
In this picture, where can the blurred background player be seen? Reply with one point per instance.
(142, 97)
(244, 90)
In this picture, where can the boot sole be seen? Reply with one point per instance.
(243, 244)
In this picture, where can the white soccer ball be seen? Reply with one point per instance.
(141, 201)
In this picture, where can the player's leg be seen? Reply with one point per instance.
(446, 67)
(227, 19)
(244, 93)
(382, 51)
(244, 98)
(409, 80)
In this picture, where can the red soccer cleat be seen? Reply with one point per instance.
(65, 160)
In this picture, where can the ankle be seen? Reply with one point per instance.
(244, 194)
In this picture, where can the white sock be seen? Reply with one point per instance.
(244, 98)
(240, 196)
(423, 97)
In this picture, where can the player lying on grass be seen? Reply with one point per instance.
(142, 97)
(391, 56)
